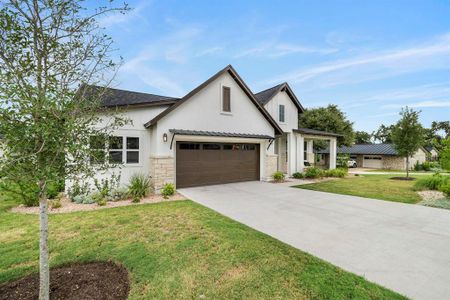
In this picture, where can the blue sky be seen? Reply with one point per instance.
(369, 57)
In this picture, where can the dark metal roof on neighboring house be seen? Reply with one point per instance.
(219, 134)
(316, 132)
(374, 149)
(116, 97)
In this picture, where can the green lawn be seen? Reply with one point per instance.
(369, 186)
(180, 250)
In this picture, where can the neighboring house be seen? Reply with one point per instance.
(433, 153)
(220, 132)
(378, 156)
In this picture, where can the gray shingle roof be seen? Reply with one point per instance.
(316, 132)
(219, 134)
(116, 97)
(374, 149)
(265, 96)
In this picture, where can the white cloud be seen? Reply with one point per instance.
(275, 49)
(421, 104)
(436, 91)
(209, 51)
(431, 55)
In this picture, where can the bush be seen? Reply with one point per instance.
(54, 188)
(139, 186)
(78, 189)
(418, 166)
(55, 203)
(426, 166)
(433, 182)
(107, 185)
(339, 173)
(313, 172)
(278, 176)
(168, 190)
(298, 175)
(119, 194)
(26, 192)
(445, 188)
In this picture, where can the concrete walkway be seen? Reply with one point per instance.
(403, 247)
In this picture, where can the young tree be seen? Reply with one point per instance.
(407, 135)
(330, 119)
(47, 50)
(362, 137)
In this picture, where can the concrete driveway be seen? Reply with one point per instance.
(403, 247)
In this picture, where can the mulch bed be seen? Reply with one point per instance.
(95, 280)
(403, 178)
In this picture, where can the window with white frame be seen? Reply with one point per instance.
(120, 149)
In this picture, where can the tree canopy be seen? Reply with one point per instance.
(383, 134)
(330, 119)
(362, 137)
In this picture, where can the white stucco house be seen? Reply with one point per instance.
(219, 132)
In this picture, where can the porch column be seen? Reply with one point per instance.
(333, 155)
(310, 151)
(292, 155)
(300, 153)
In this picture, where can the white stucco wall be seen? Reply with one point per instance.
(291, 111)
(203, 112)
(138, 116)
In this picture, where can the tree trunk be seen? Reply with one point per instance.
(44, 273)
(407, 166)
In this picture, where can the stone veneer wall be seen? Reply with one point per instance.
(162, 170)
(393, 162)
(270, 167)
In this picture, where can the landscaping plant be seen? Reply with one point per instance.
(298, 175)
(434, 182)
(445, 188)
(168, 190)
(278, 176)
(139, 187)
(313, 172)
(50, 54)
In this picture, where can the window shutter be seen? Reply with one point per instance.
(226, 101)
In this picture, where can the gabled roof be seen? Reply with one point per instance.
(265, 96)
(228, 69)
(116, 97)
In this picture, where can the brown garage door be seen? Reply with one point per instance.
(215, 163)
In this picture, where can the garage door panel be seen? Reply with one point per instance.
(213, 163)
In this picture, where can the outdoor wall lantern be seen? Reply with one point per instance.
(165, 137)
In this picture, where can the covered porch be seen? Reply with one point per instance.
(296, 149)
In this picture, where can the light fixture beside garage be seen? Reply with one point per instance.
(165, 137)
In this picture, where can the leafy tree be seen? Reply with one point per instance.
(407, 135)
(444, 154)
(330, 119)
(436, 135)
(383, 134)
(47, 49)
(362, 137)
